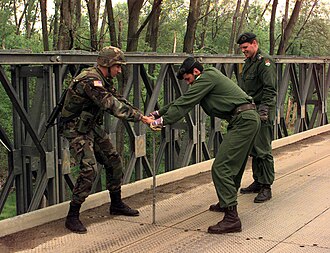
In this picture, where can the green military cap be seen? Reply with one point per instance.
(246, 37)
(185, 67)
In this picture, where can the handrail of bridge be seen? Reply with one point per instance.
(12, 57)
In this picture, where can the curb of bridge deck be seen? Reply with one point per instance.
(55, 212)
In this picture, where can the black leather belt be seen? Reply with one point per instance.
(244, 107)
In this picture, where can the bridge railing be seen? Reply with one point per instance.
(40, 171)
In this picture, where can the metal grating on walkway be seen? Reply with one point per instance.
(297, 219)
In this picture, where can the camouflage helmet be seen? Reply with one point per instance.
(109, 56)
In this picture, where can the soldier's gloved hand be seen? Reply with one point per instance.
(263, 112)
(157, 125)
(154, 114)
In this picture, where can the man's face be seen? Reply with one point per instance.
(249, 49)
(115, 70)
(189, 78)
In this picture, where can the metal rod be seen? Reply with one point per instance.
(153, 180)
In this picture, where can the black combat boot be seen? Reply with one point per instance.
(72, 221)
(216, 208)
(255, 187)
(118, 207)
(264, 194)
(230, 223)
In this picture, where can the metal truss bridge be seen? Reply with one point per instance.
(39, 171)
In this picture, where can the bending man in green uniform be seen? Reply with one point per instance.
(259, 81)
(222, 98)
(90, 95)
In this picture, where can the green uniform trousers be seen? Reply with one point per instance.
(262, 158)
(230, 161)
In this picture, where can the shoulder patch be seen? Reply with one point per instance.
(267, 62)
(97, 83)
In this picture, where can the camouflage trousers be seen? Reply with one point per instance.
(88, 149)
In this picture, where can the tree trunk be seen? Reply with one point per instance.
(111, 22)
(56, 24)
(102, 30)
(205, 21)
(153, 27)
(30, 15)
(77, 5)
(120, 33)
(18, 25)
(134, 9)
(132, 40)
(192, 20)
(66, 34)
(303, 25)
(233, 28)
(272, 28)
(262, 14)
(241, 24)
(43, 8)
(288, 29)
(93, 23)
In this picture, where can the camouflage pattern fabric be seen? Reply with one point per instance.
(109, 56)
(89, 149)
(90, 93)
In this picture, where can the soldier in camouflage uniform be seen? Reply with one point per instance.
(259, 81)
(90, 95)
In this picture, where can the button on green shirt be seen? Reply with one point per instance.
(215, 92)
(259, 79)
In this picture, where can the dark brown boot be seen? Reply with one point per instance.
(216, 208)
(230, 223)
(255, 187)
(118, 207)
(72, 221)
(264, 194)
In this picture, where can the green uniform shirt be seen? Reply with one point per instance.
(259, 79)
(215, 92)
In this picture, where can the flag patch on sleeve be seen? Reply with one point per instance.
(98, 83)
(267, 62)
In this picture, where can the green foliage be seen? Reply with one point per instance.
(5, 112)
(316, 30)
(173, 21)
(9, 209)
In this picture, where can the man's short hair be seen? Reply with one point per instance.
(246, 37)
(187, 67)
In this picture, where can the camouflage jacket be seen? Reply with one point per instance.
(90, 93)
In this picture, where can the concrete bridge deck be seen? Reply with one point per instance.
(296, 219)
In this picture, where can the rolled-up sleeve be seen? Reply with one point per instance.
(109, 103)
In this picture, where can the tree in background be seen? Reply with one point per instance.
(66, 34)
(43, 10)
(209, 26)
(111, 24)
(93, 8)
(272, 28)
(189, 38)
(287, 29)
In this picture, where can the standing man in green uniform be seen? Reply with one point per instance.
(222, 98)
(91, 94)
(259, 81)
